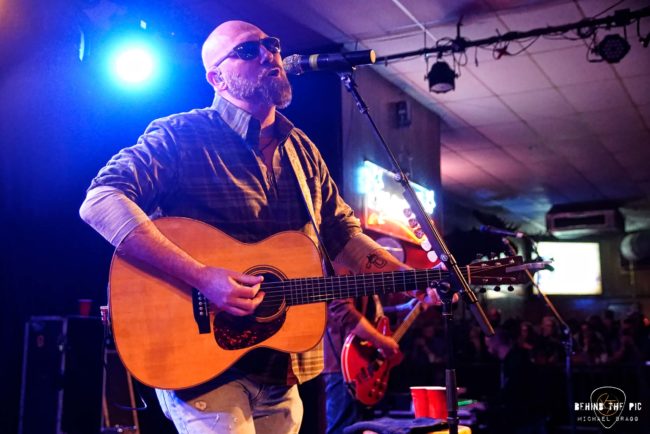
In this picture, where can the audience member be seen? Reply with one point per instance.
(494, 316)
(550, 349)
(591, 346)
(528, 338)
(628, 351)
(610, 332)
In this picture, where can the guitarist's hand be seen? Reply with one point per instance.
(233, 292)
(431, 297)
(386, 345)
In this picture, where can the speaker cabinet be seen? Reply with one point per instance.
(41, 395)
(62, 376)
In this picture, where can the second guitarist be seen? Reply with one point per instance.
(358, 317)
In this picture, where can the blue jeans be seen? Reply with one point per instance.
(341, 408)
(236, 405)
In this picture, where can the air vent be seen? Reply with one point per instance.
(576, 224)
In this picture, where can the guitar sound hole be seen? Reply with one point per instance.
(274, 302)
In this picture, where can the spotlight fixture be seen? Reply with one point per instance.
(612, 48)
(441, 78)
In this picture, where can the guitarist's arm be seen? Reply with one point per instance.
(124, 224)
(366, 331)
(363, 255)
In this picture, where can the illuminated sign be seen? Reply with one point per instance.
(384, 205)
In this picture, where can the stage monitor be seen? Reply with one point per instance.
(576, 268)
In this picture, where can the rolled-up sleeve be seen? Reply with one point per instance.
(111, 213)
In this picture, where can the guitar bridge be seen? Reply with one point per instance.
(200, 306)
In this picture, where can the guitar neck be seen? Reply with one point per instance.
(309, 290)
(322, 289)
(408, 321)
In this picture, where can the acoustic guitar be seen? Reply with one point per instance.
(169, 336)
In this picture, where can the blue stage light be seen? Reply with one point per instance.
(134, 64)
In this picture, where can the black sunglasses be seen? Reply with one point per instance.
(249, 50)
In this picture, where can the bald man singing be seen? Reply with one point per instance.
(229, 165)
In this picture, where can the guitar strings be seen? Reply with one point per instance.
(347, 281)
(304, 290)
(378, 276)
(318, 291)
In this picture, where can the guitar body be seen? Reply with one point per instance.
(365, 369)
(154, 316)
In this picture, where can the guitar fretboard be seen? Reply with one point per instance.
(319, 289)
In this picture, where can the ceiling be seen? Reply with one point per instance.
(521, 133)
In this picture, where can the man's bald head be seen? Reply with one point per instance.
(224, 38)
(260, 80)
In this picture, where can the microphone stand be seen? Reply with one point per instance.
(459, 284)
(566, 334)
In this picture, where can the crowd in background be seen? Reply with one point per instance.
(596, 340)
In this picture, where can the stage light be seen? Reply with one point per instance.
(612, 48)
(134, 64)
(441, 78)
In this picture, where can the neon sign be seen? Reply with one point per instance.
(383, 204)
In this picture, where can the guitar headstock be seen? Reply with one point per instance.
(502, 271)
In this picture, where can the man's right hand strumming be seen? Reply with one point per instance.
(236, 293)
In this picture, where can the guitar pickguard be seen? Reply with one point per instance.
(234, 333)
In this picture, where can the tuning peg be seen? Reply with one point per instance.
(497, 288)
(511, 288)
(425, 244)
(407, 212)
(418, 233)
(413, 223)
(482, 290)
(479, 256)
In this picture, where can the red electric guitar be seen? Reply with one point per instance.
(364, 368)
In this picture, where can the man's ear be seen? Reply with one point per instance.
(215, 78)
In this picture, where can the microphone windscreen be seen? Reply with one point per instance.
(291, 64)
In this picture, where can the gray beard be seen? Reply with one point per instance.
(265, 89)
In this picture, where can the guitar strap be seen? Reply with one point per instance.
(301, 178)
(329, 268)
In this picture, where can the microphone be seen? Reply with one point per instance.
(503, 232)
(338, 62)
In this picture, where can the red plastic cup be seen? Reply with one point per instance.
(437, 402)
(85, 304)
(420, 401)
